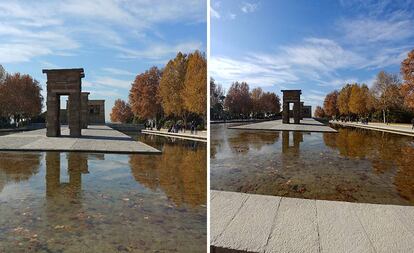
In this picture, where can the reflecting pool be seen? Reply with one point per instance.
(87, 202)
(352, 165)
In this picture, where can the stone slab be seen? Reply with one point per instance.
(239, 223)
(229, 204)
(295, 228)
(94, 139)
(306, 125)
(384, 228)
(340, 229)
(250, 229)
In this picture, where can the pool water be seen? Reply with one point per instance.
(352, 165)
(89, 202)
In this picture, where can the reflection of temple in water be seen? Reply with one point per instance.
(297, 139)
(76, 166)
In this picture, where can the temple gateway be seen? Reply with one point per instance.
(299, 111)
(79, 112)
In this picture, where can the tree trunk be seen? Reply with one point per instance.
(185, 120)
(383, 115)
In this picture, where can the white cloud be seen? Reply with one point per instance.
(250, 70)
(369, 30)
(214, 13)
(321, 55)
(117, 71)
(387, 57)
(232, 16)
(113, 82)
(107, 93)
(249, 7)
(316, 61)
(37, 28)
(159, 51)
(335, 82)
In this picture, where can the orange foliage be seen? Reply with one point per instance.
(343, 100)
(270, 102)
(358, 101)
(143, 95)
(20, 97)
(330, 106)
(121, 112)
(238, 99)
(407, 70)
(319, 112)
(172, 85)
(195, 84)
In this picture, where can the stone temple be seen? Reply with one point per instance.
(80, 110)
(93, 112)
(299, 111)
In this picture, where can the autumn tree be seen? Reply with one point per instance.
(238, 101)
(270, 102)
(121, 112)
(358, 100)
(386, 93)
(256, 96)
(172, 86)
(216, 99)
(2, 74)
(319, 112)
(407, 71)
(330, 105)
(143, 95)
(343, 100)
(195, 84)
(3, 119)
(20, 97)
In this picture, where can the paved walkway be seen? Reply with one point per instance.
(94, 139)
(258, 223)
(306, 125)
(200, 136)
(404, 129)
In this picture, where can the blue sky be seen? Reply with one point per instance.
(113, 40)
(316, 46)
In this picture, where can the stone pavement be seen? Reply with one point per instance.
(404, 129)
(243, 222)
(200, 136)
(96, 138)
(306, 125)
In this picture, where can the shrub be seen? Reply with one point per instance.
(168, 124)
